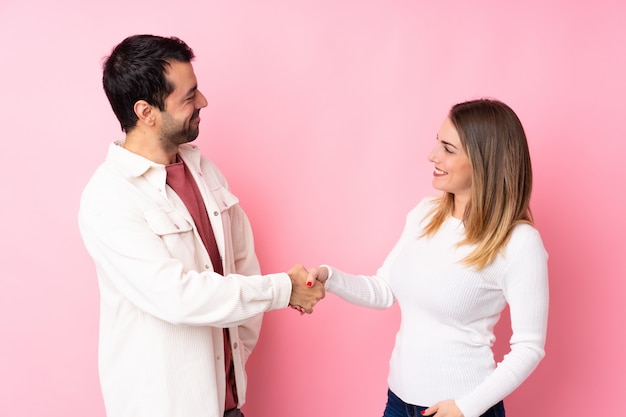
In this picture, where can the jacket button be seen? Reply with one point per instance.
(215, 213)
(235, 345)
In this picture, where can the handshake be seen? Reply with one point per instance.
(307, 287)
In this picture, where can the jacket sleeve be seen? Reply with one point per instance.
(137, 264)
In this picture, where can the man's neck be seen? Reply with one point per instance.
(150, 148)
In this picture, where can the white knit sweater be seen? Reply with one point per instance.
(443, 347)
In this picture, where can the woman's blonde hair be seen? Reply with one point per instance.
(494, 140)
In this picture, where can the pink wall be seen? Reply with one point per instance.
(321, 114)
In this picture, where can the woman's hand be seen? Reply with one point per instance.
(446, 408)
(319, 274)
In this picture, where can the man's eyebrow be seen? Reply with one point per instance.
(191, 91)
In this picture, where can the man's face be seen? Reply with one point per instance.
(180, 120)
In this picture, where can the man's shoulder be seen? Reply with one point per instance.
(106, 182)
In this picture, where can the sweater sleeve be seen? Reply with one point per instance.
(525, 285)
(375, 291)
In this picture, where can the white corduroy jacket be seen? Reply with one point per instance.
(162, 306)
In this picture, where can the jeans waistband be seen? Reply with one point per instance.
(414, 410)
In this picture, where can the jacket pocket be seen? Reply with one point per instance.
(224, 198)
(166, 223)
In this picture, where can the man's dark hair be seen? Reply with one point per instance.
(136, 69)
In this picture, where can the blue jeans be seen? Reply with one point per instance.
(235, 412)
(398, 408)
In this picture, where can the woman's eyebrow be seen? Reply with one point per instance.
(446, 143)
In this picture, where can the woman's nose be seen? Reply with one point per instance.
(432, 156)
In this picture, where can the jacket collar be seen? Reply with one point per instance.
(133, 165)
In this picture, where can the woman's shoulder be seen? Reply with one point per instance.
(525, 230)
(423, 209)
(414, 219)
(524, 236)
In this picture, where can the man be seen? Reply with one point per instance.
(181, 290)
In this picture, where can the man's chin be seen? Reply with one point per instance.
(193, 136)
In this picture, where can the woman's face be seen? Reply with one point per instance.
(453, 171)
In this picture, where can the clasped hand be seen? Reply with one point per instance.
(306, 290)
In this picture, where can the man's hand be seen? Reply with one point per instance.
(303, 297)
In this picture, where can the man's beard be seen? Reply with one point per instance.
(174, 133)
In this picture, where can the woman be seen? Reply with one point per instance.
(461, 258)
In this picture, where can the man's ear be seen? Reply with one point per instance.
(146, 113)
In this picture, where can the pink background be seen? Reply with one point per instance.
(321, 114)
